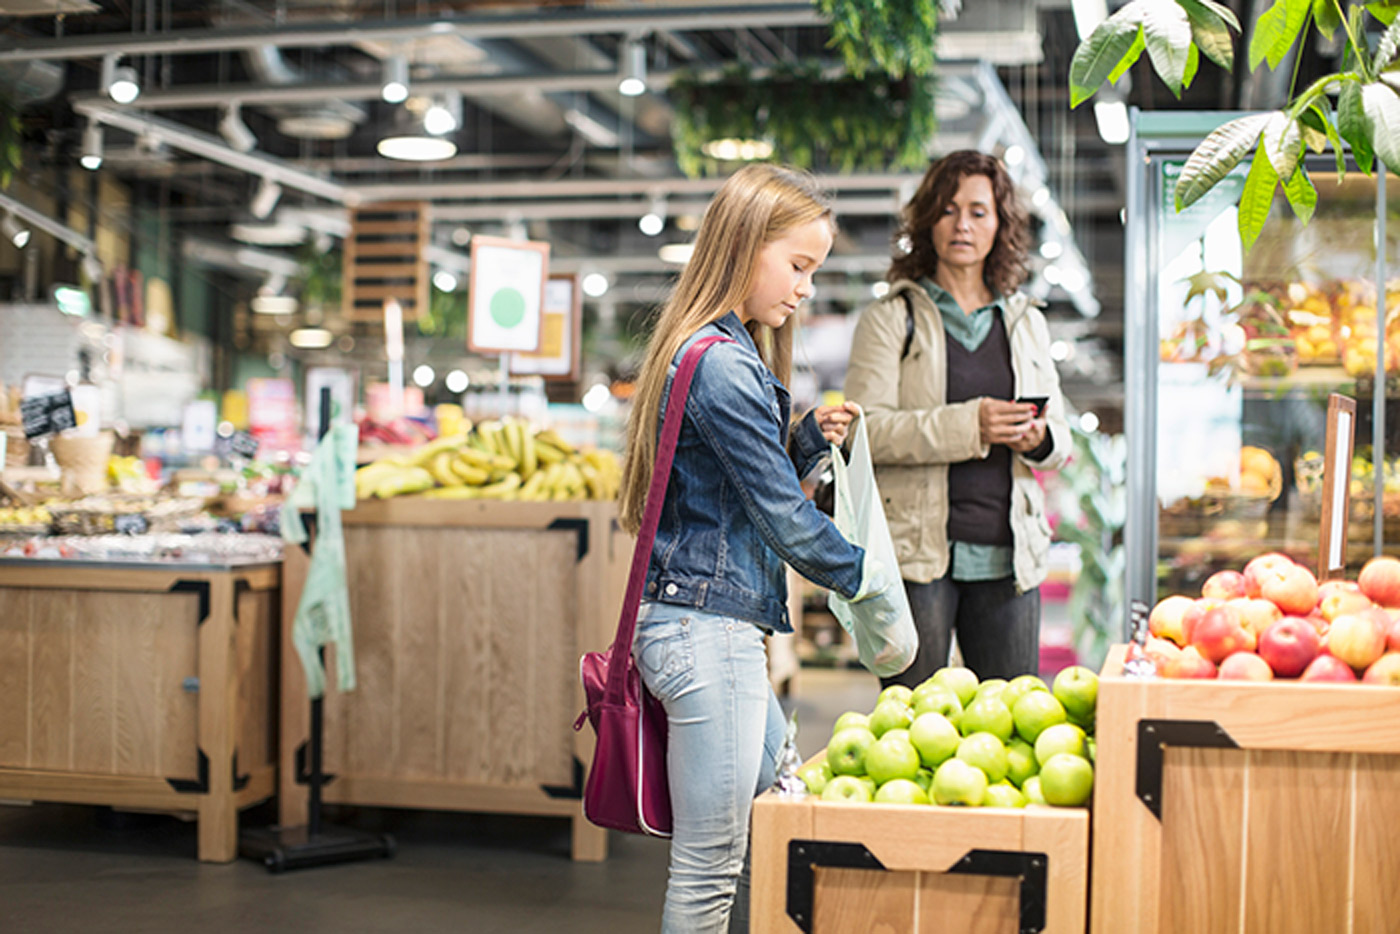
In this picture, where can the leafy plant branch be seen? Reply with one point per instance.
(1176, 34)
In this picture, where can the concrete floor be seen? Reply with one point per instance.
(82, 869)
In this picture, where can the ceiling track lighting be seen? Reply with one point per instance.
(119, 82)
(266, 198)
(633, 60)
(394, 87)
(16, 234)
(91, 158)
(444, 116)
(654, 220)
(234, 131)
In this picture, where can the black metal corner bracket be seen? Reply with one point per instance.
(567, 791)
(201, 588)
(578, 525)
(1030, 867)
(804, 856)
(1153, 736)
(303, 776)
(197, 786)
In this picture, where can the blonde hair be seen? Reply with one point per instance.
(758, 204)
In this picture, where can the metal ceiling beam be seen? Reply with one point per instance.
(484, 26)
(603, 187)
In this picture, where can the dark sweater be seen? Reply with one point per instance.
(979, 491)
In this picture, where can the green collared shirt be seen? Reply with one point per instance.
(971, 562)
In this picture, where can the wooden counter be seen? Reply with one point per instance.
(469, 620)
(140, 686)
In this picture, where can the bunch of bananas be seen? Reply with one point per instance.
(26, 516)
(499, 459)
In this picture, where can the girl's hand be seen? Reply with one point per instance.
(1009, 423)
(835, 420)
(1035, 433)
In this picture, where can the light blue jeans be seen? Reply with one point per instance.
(726, 727)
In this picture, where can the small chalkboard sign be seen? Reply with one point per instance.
(47, 414)
(129, 524)
(242, 444)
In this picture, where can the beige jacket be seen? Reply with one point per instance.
(914, 435)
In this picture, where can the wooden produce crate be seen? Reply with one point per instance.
(469, 619)
(830, 868)
(146, 687)
(1230, 806)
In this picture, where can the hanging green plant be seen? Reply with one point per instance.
(810, 120)
(898, 38)
(320, 276)
(11, 141)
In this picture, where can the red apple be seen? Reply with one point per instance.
(1245, 666)
(1392, 639)
(1165, 618)
(1257, 568)
(1380, 580)
(1289, 646)
(1161, 651)
(1189, 663)
(1342, 602)
(1357, 639)
(1219, 634)
(1224, 585)
(1384, 670)
(1326, 589)
(1328, 668)
(1256, 614)
(1292, 589)
(1194, 614)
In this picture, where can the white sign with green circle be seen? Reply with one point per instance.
(506, 292)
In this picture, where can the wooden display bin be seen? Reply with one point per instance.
(146, 687)
(469, 619)
(1263, 807)
(828, 868)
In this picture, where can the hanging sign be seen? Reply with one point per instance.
(562, 314)
(47, 414)
(506, 294)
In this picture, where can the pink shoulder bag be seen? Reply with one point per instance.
(626, 788)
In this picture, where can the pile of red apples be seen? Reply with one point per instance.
(1274, 620)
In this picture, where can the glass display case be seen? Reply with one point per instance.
(1230, 356)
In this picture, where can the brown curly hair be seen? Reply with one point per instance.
(1005, 268)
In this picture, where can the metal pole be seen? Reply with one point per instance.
(1378, 400)
(314, 780)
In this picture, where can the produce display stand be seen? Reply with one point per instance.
(827, 867)
(469, 619)
(1236, 806)
(141, 686)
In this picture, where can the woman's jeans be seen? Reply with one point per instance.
(998, 629)
(711, 674)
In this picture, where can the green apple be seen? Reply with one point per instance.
(846, 751)
(1036, 711)
(896, 692)
(987, 715)
(901, 791)
(891, 757)
(1031, 789)
(1092, 747)
(1003, 795)
(1066, 780)
(1085, 724)
(1019, 687)
(938, 699)
(898, 731)
(1062, 737)
(935, 738)
(962, 682)
(924, 779)
(1020, 761)
(846, 788)
(992, 687)
(958, 783)
(815, 775)
(849, 719)
(987, 753)
(1078, 689)
(869, 784)
(890, 715)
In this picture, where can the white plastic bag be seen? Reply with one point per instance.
(885, 646)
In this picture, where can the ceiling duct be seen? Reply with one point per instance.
(328, 119)
(32, 81)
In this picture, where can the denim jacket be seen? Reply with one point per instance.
(735, 510)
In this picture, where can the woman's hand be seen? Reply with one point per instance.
(835, 420)
(1010, 423)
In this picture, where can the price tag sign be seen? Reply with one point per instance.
(47, 414)
(129, 524)
(243, 445)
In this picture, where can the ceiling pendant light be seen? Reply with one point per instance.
(444, 115)
(119, 82)
(266, 198)
(410, 142)
(634, 68)
(91, 158)
(14, 233)
(234, 131)
(394, 87)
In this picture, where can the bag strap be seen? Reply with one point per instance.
(651, 518)
(908, 324)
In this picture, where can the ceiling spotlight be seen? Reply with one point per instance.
(423, 375)
(394, 88)
(444, 115)
(595, 285)
(634, 68)
(310, 338)
(1051, 249)
(654, 220)
(1112, 119)
(676, 253)
(444, 281)
(1014, 155)
(266, 199)
(91, 158)
(457, 381)
(410, 142)
(119, 82)
(92, 267)
(14, 233)
(235, 131)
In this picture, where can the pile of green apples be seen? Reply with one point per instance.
(956, 741)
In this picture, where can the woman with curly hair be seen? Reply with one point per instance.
(938, 364)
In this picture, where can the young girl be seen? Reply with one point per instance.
(734, 513)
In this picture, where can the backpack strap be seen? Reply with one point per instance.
(909, 325)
